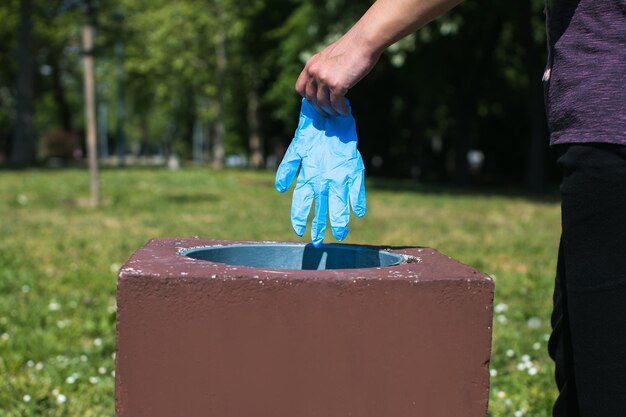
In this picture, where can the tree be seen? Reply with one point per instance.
(23, 148)
(225, 70)
(9, 16)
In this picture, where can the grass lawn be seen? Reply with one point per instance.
(59, 259)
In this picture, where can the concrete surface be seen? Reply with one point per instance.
(199, 338)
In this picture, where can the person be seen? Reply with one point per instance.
(585, 90)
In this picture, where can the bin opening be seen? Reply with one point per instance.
(295, 256)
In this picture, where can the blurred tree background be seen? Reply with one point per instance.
(212, 81)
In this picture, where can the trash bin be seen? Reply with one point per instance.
(241, 329)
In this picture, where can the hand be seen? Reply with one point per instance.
(329, 74)
(331, 173)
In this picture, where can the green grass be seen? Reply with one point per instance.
(59, 258)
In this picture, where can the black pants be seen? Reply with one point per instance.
(588, 341)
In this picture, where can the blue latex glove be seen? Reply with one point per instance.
(331, 173)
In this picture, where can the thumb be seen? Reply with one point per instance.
(287, 169)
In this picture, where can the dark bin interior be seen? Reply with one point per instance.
(295, 256)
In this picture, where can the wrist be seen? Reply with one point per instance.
(367, 43)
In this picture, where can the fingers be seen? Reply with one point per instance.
(318, 225)
(287, 169)
(301, 206)
(326, 101)
(312, 94)
(326, 97)
(357, 191)
(301, 82)
(338, 101)
(323, 100)
(339, 210)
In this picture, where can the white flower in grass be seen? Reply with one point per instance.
(70, 379)
(83, 358)
(39, 366)
(25, 288)
(525, 364)
(5, 337)
(534, 323)
(61, 398)
(536, 345)
(493, 372)
(97, 342)
(54, 306)
(102, 370)
(518, 413)
(94, 379)
(510, 353)
(501, 394)
(532, 371)
(22, 200)
(502, 319)
(500, 308)
(26, 398)
(115, 267)
(30, 363)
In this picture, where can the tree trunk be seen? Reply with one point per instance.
(90, 113)
(220, 74)
(255, 141)
(121, 104)
(470, 89)
(197, 140)
(23, 147)
(538, 143)
(64, 113)
(461, 142)
(103, 130)
(145, 135)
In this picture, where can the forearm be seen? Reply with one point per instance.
(387, 21)
(329, 74)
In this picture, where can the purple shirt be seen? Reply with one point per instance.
(585, 79)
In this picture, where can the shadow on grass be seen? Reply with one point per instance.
(181, 197)
(549, 196)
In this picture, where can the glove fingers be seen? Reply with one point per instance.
(318, 225)
(287, 169)
(301, 206)
(357, 191)
(339, 210)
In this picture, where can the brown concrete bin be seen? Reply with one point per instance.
(247, 329)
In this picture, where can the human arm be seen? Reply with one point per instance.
(329, 74)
